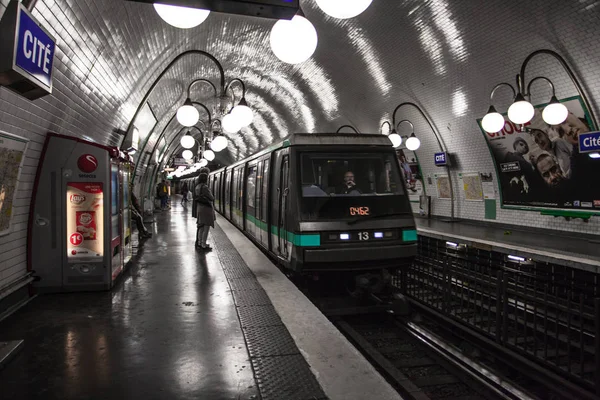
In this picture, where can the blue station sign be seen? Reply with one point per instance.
(34, 49)
(589, 142)
(26, 53)
(441, 159)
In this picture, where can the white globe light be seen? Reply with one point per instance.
(231, 123)
(209, 155)
(188, 115)
(395, 139)
(555, 113)
(493, 122)
(219, 143)
(187, 141)
(520, 112)
(203, 162)
(243, 114)
(343, 8)
(293, 41)
(413, 143)
(187, 154)
(181, 17)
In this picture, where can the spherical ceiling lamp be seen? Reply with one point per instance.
(243, 113)
(187, 154)
(187, 141)
(219, 143)
(555, 113)
(230, 123)
(203, 162)
(187, 115)
(293, 41)
(181, 17)
(413, 142)
(343, 9)
(209, 155)
(493, 121)
(395, 139)
(521, 111)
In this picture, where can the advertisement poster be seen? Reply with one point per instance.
(443, 186)
(12, 154)
(85, 228)
(542, 167)
(409, 165)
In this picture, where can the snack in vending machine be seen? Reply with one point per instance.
(86, 224)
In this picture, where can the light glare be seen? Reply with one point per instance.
(181, 17)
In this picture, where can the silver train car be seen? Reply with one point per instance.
(293, 200)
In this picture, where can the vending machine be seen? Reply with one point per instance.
(79, 226)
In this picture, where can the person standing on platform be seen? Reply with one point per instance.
(184, 192)
(205, 211)
(163, 194)
(136, 214)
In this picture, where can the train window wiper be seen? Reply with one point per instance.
(354, 221)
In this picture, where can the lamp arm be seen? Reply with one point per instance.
(440, 143)
(569, 71)
(347, 126)
(537, 78)
(405, 120)
(205, 109)
(237, 80)
(200, 80)
(499, 86)
(383, 123)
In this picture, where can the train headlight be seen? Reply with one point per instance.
(344, 236)
(378, 235)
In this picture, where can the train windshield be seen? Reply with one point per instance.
(338, 185)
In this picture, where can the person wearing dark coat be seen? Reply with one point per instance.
(205, 211)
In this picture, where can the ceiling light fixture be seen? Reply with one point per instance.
(209, 155)
(187, 154)
(187, 115)
(181, 17)
(343, 9)
(294, 41)
(187, 141)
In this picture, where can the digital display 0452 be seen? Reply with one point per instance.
(360, 211)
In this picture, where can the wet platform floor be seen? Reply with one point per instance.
(168, 330)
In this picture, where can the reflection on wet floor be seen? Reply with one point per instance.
(168, 330)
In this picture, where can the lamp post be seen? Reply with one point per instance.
(522, 111)
(438, 137)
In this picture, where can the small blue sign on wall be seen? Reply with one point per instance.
(34, 49)
(441, 159)
(589, 142)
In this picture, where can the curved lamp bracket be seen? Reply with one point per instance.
(537, 78)
(347, 126)
(189, 89)
(407, 121)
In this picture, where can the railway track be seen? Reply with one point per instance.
(422, 365)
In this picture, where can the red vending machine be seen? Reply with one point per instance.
(79, 226)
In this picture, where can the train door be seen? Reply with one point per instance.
(265, 233)
(252, 216)
(283, 192)
(227, 200)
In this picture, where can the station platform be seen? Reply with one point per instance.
(574, 250)
(185, 324)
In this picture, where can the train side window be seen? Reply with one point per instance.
(265, 190)
(258, 193)
(251, 188)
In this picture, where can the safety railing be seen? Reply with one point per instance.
(547, 312)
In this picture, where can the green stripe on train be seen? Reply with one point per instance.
(296, 239)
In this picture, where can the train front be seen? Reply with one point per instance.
(355, 203)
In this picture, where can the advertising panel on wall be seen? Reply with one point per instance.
(542, 167)
(411, 172)
(12, 154)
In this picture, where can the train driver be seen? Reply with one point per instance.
(349, 186)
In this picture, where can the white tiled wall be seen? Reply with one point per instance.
(443, 55)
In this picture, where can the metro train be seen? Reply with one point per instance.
(293, 200)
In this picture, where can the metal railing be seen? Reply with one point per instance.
(546, 312)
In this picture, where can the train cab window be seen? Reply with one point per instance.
(335, 185)
(361, 174)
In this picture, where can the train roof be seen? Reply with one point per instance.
(317, 139)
